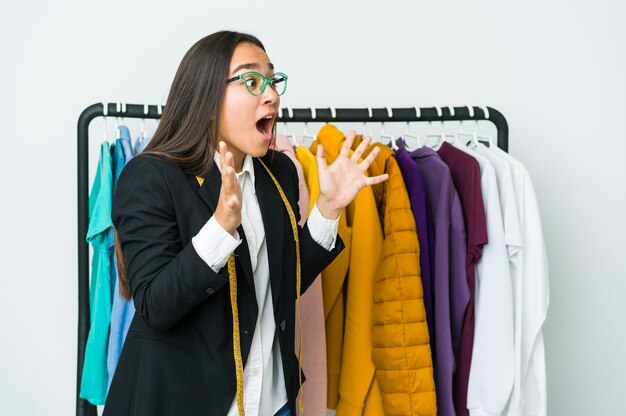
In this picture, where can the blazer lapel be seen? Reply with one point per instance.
(273, 213)
(209, 192)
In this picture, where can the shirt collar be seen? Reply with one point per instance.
(248, 166)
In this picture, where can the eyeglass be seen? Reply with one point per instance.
(255, 83)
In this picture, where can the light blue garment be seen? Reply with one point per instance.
(95, 376)
(122, 310)
(141, 144)
(123, 148)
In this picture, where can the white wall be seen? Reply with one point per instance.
(555, 69)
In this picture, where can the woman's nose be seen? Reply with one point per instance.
(269, 96)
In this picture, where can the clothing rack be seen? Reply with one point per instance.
(286, 115)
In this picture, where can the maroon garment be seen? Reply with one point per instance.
(466, 177)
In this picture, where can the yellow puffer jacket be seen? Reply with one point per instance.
(401, 349)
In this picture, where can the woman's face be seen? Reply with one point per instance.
(244, 122)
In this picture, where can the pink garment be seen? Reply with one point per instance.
(312, 310)
(282, 145)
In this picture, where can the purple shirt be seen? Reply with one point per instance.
(451, 291)
(466, 176)
(417, 195)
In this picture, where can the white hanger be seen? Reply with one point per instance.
(440, 137)
(146, 110)
(306, 134)
(418, 114)
(290, 136)
(105, 112)
(366, 130)
(384, 135)
(333, 113)
(472, 135)
(452, 137)
(118, 109)
(485, 138)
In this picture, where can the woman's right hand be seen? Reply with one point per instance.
(228, 211)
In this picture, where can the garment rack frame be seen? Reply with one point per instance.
(286, 115)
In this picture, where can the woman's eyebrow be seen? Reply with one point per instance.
(251, 66)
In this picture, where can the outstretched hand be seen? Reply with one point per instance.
(342, 180)
(228, 211)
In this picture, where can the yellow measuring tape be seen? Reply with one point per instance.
(232, 277)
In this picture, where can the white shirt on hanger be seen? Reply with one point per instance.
(508, 203)
(264, 385)
(492, 366)
(532, 298)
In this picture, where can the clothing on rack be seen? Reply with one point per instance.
(450, 288)
(465, 173)
(352, 385)
(491, 371)
(374, 321)
(122, 310)
(401, 344)
(140, 143)
(417, 196)
(532, 297)
(311, 309)
(94, 376)
(111, 314)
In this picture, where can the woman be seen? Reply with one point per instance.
(203, 189)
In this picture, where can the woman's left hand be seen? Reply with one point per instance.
(341, 181)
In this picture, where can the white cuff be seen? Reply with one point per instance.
(323, 230)
(214, 244)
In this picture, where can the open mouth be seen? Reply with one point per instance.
(265, 124)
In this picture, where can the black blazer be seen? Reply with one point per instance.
(178, 355)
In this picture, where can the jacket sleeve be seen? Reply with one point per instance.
(167, 279)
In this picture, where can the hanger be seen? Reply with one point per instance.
(418, 114)
(105, 112)
(442, 136)
(144, 134)
(306, 134)
(384, 135)
(488, 141)
(290, 136)
(118, 109)
(473, 138)
(366, 130)
(333, 113)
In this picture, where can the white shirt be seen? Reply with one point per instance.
(264, 384)
(492, 367)
(532, 298)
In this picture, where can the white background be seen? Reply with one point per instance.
(555, 69)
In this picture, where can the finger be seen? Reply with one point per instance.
(376, 179)
(321, 160)
(367, 162)
(229, 160)
(358, 152)
(222, 149)
(229, 182)
(347, 144)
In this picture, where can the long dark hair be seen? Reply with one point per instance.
(188, 131)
